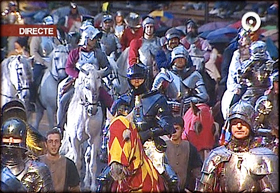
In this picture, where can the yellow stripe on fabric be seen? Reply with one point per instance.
(138, 161)
(122, 119)
(155, 174)
(127, 149)
(115, 151)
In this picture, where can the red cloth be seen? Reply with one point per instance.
(130, 153)
(128, 36)
(133, 54)
(105, 98)
(205, 139)
(72, 59)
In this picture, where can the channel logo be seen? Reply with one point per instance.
(251, 21)
(28, 30)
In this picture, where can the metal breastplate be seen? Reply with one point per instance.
(147, 50)
(258, 74)
(244, 170)
(138, 116)
(86, 57)
(119, 29)
(174, 90)
(145, 112)
(35, 176)
(109, 43)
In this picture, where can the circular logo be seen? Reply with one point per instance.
(251, 21)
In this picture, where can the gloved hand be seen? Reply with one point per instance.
(145, 135)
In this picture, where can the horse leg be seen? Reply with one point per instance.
(87, 164)
(76, 145)
(93, 167)
(39, 116)
(50, 115)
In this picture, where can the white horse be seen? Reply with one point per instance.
(47, 92)
(122, 63)
(84, 121)
(16, 75)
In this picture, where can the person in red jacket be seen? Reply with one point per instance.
(89, 51)
(145, 48)
(133, 30)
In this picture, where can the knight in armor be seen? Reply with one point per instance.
(34, 175)
(193, 38)
(145, 48)
(256, 71)
(239, 59)
(89, 51)
(73, 20)
(11, 16)
(152, 117)
(240, 164)
(133, 29)
(188, 83)
(267, 110)
(171, 40)
(109, 41)
(119, 25)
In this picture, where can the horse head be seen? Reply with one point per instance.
(129, 165)
(199, 126)
(125, 148)
(88, 84)
(59, 58)
(20, 75)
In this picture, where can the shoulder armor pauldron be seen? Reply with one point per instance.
(264, 161)
(216, 156)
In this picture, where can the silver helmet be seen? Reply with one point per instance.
(48, 20)
(172, 33)
(179, 52)
(148, 20)
(89, 32)
(107, 17)
(244, 111)
(133, 20)
(258, 50)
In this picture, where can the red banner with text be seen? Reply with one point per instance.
(28, 30)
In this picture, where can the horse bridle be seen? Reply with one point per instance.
(86, 103)
(56, 68)
(19, 87)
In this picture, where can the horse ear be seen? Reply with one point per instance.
(129, 117)
(110, 117)
(194, 108)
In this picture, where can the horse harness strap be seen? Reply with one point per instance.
(86, 104)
